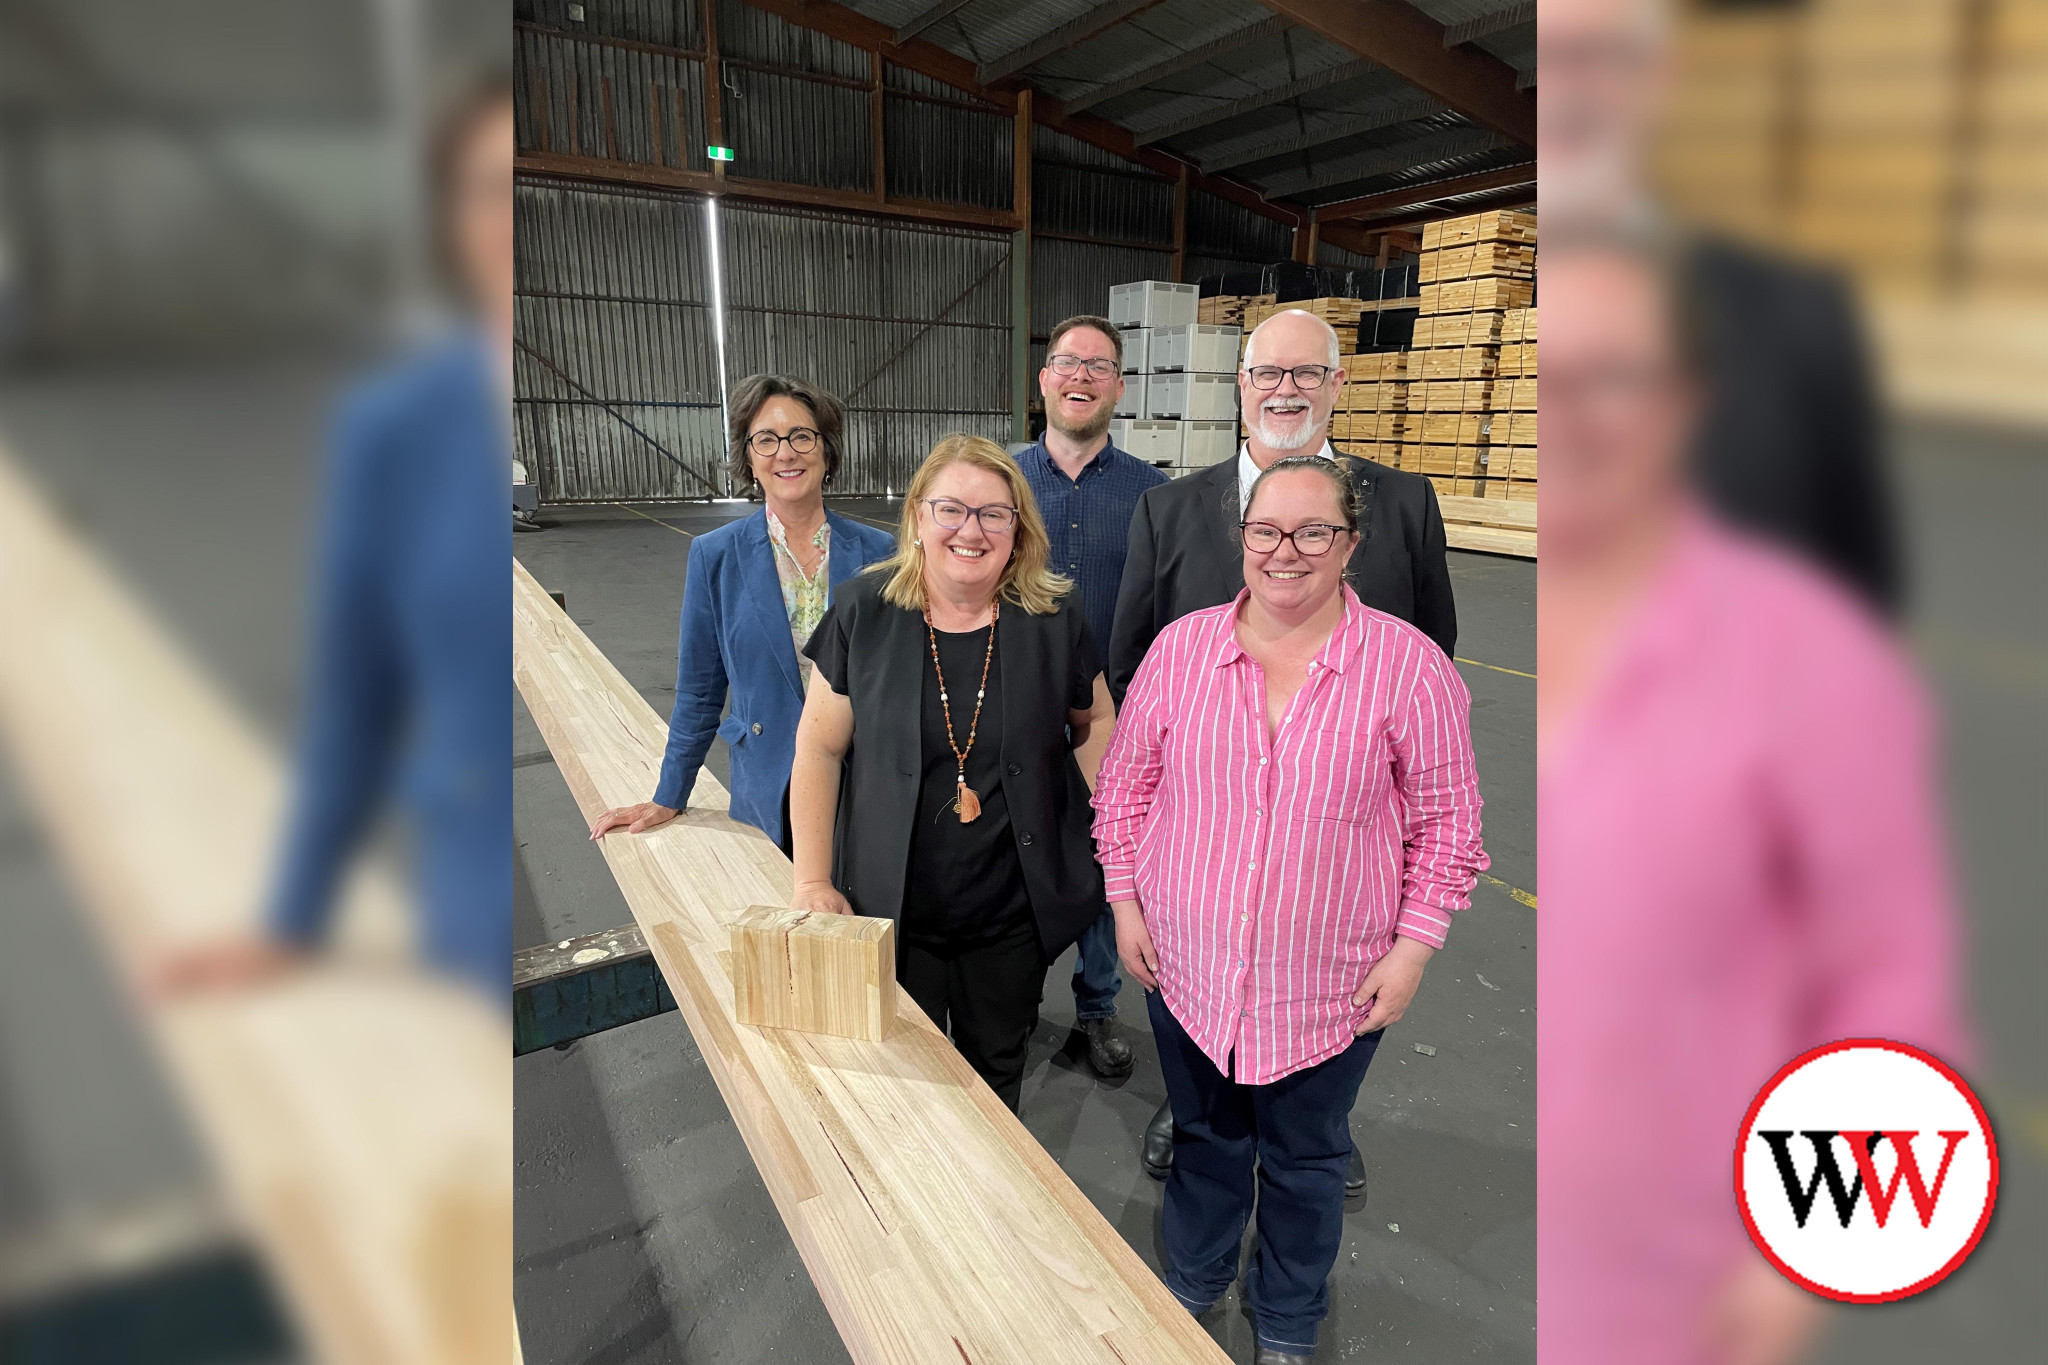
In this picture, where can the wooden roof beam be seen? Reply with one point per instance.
(1410, 43)
(1393, 201)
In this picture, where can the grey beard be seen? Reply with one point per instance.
(1309, 433)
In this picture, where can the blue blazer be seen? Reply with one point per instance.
(406, 702)
(735, 634)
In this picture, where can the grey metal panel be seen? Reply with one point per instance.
(755, 35)
(672, 23)
(580, 81)
(614, 321)
(907, 324)
(947, 153)
(1217, 227)
(1101, 203)
(1074, 277)
(803, 132)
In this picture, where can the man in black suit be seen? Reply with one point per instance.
(1185, 553)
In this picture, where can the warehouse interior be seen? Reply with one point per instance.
(916, 194)
(169, 389)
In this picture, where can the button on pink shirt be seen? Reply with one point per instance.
(1273, 875)
(1741, 860)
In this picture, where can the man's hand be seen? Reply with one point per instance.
(635, 819)
(1758, 1317)
(1392, 983)
(820, 898)
(1134, 944)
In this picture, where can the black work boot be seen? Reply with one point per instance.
(1159, 1143)
(1354, 1179)
(1107, 1053)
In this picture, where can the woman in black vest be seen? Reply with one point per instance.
(946, 754)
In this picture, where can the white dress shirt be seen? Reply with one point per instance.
(1248, 473)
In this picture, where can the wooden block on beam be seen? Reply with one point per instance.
(814, 973)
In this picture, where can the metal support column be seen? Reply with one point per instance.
(1020, 276)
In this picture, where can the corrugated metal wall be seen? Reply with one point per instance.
(908, 325)
(617, 361)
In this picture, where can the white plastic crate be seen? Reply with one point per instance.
(1132, 404)
(1191, 397)
(1197, 347)
(1156, 443)
(1152, 303)
(1206, 443)
(1137, 351)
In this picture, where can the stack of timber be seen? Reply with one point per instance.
(1511, 428)
(1371, 416)
(932, 1223)
(1468, 355)
(357, 1114)
(1228, 310)
(1341, 313)
(1494, 525)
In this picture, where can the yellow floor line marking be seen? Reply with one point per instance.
(1495, 667)
(1515, 891)
(656, 520)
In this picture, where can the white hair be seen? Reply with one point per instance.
(1329, 335)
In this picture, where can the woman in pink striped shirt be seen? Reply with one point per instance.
(1287, 817)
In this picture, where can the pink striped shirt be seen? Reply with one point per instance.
(1273, 875)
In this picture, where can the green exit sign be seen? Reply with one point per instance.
(719, 153)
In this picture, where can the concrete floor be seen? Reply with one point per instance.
(644, 1233)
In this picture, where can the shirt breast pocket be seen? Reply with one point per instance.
(1347, 767)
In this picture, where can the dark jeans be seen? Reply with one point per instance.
(1297, 1132)
(986, 997)
(1096, 979)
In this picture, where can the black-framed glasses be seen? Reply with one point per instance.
(764, 443)
(1263, 537)
(1067, 366)
(997, 518)
(1305, 376)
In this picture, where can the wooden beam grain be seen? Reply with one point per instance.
(932, 1223)
(1410, 43)
(356, 1114)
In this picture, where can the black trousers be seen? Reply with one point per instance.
(985, 997)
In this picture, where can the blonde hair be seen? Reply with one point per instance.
(1026, 580)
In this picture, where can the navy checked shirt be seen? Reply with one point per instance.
(1089, 523)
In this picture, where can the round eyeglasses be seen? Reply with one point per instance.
(1312, 540)
(997, 518)
(1067, 366)
(1305, 376)
(802, 441)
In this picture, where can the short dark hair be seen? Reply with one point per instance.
(1340, 483)
(747, 399)
(1102, 325)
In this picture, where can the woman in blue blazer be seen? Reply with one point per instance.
(752, 593)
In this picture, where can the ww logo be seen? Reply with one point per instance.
(1822, 1199)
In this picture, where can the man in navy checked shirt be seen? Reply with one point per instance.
(1086, 490)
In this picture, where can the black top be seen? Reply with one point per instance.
(966, 885)
(899, 849)
(1185, 555)
(1790, 442)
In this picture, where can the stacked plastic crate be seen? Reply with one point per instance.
(1475, 272)
(1179, 409)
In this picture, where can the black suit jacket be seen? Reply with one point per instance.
(1789, 443)
(1185, 555)
(1050, 818)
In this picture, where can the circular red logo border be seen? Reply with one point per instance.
(1849, 1045)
